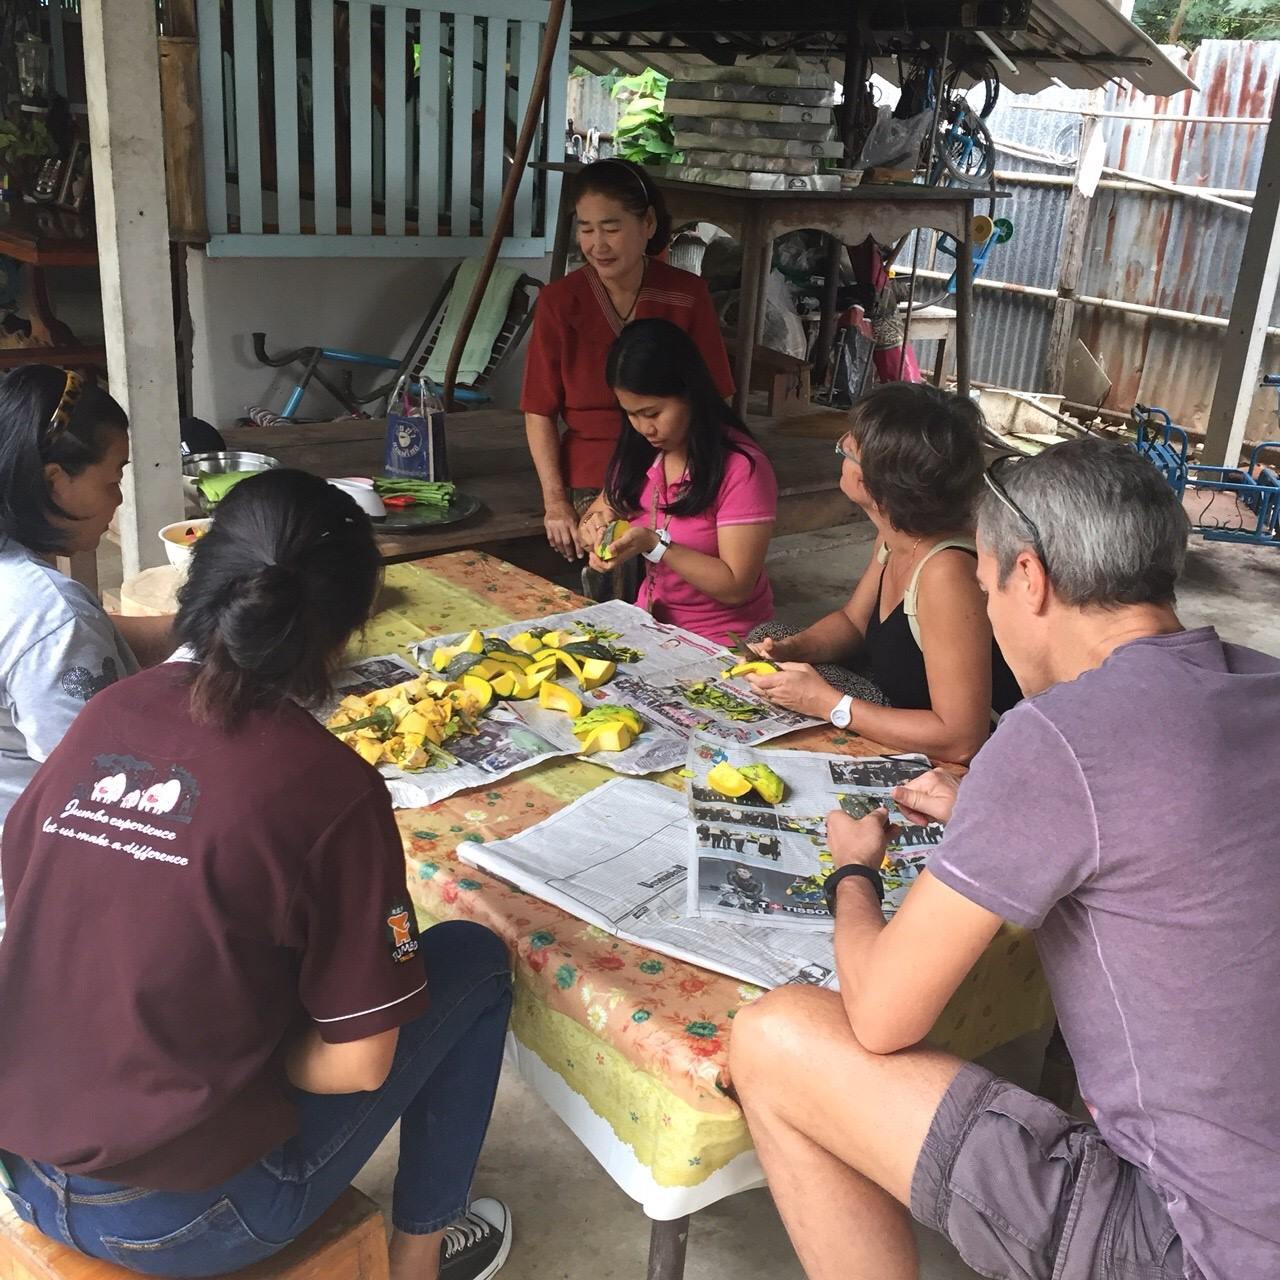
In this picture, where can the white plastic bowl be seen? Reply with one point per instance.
(176, 547)
(363, 492)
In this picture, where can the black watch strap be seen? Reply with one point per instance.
(832, 882)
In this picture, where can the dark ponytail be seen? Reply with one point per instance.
(632, 188)
(287, 573)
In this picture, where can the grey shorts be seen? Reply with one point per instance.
(1026, 1192)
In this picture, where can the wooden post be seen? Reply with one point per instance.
(1070, 261)
(1243, 342)
(183, 144)
(122, 76)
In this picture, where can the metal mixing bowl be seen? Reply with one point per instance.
(216, 464)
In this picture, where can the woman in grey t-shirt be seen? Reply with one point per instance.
(64, 444)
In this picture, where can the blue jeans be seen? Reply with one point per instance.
(441, 1089)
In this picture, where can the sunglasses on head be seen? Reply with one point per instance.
(993, 482)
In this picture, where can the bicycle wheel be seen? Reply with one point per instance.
(966, 150)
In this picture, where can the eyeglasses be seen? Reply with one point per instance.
(992, 478)
(60, 419)
(842, 452)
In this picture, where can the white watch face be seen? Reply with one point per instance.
(840, 713)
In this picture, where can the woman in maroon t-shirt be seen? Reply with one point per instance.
(256, 1010)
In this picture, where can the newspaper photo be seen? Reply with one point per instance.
(502, 744)
(759, 849)
(670, 677)
(618, 858)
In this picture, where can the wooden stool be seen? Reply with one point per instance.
(348, 1242)
(152, 593)
(936, 324)
(784, 377)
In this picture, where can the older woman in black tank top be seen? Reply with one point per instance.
(915, 626)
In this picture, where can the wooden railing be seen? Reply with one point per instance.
(341, 128)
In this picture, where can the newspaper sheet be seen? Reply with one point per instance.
(504, 744)
(674, 684)
(755, 861)
(618, 858)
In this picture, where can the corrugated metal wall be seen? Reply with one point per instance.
(1147, 247)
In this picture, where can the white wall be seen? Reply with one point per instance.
(362, 304)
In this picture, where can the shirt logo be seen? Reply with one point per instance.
(404, 933)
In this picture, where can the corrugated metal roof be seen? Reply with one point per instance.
(1083, 44)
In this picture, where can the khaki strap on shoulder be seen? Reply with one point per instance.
(913, 587)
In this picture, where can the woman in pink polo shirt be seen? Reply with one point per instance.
(699, 492)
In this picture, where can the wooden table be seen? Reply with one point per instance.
(43, 237)
(755, 219)
(489, 458)
(628, 1047)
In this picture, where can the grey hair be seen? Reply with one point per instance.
(1113, 531)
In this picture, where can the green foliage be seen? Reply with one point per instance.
(1210, 20)
(25, 140)
(643, 133)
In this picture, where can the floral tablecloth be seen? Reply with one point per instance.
(629, 1046)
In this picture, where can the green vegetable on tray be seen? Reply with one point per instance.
(396, 492)
(213, 488)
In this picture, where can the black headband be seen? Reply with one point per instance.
(623, 164)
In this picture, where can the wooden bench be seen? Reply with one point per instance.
(348, 1242)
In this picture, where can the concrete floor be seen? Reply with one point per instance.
(571, 1222)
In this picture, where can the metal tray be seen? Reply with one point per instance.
(407, 519)
(802, 166)
(783, 95)
(749, 181)
(701, 139)
(785, 76)
(719, 126)
(764, 112)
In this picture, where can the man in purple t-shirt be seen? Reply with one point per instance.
(1127, 812)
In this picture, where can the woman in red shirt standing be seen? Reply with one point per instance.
(622, 224)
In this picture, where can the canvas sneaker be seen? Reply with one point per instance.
(476, 1245)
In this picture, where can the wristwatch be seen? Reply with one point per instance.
(832, 882)
(842, 712)
(660, 550)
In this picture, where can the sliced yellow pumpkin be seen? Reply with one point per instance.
(595, 672)
(725, 780)
(613, 735)
(503, 684)
(757, 667)
(526, 688)
(474, 643)
(414, 723)
(525, 643)
(479, 688)
(613, 531)
(767, 784)
(555, 697)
